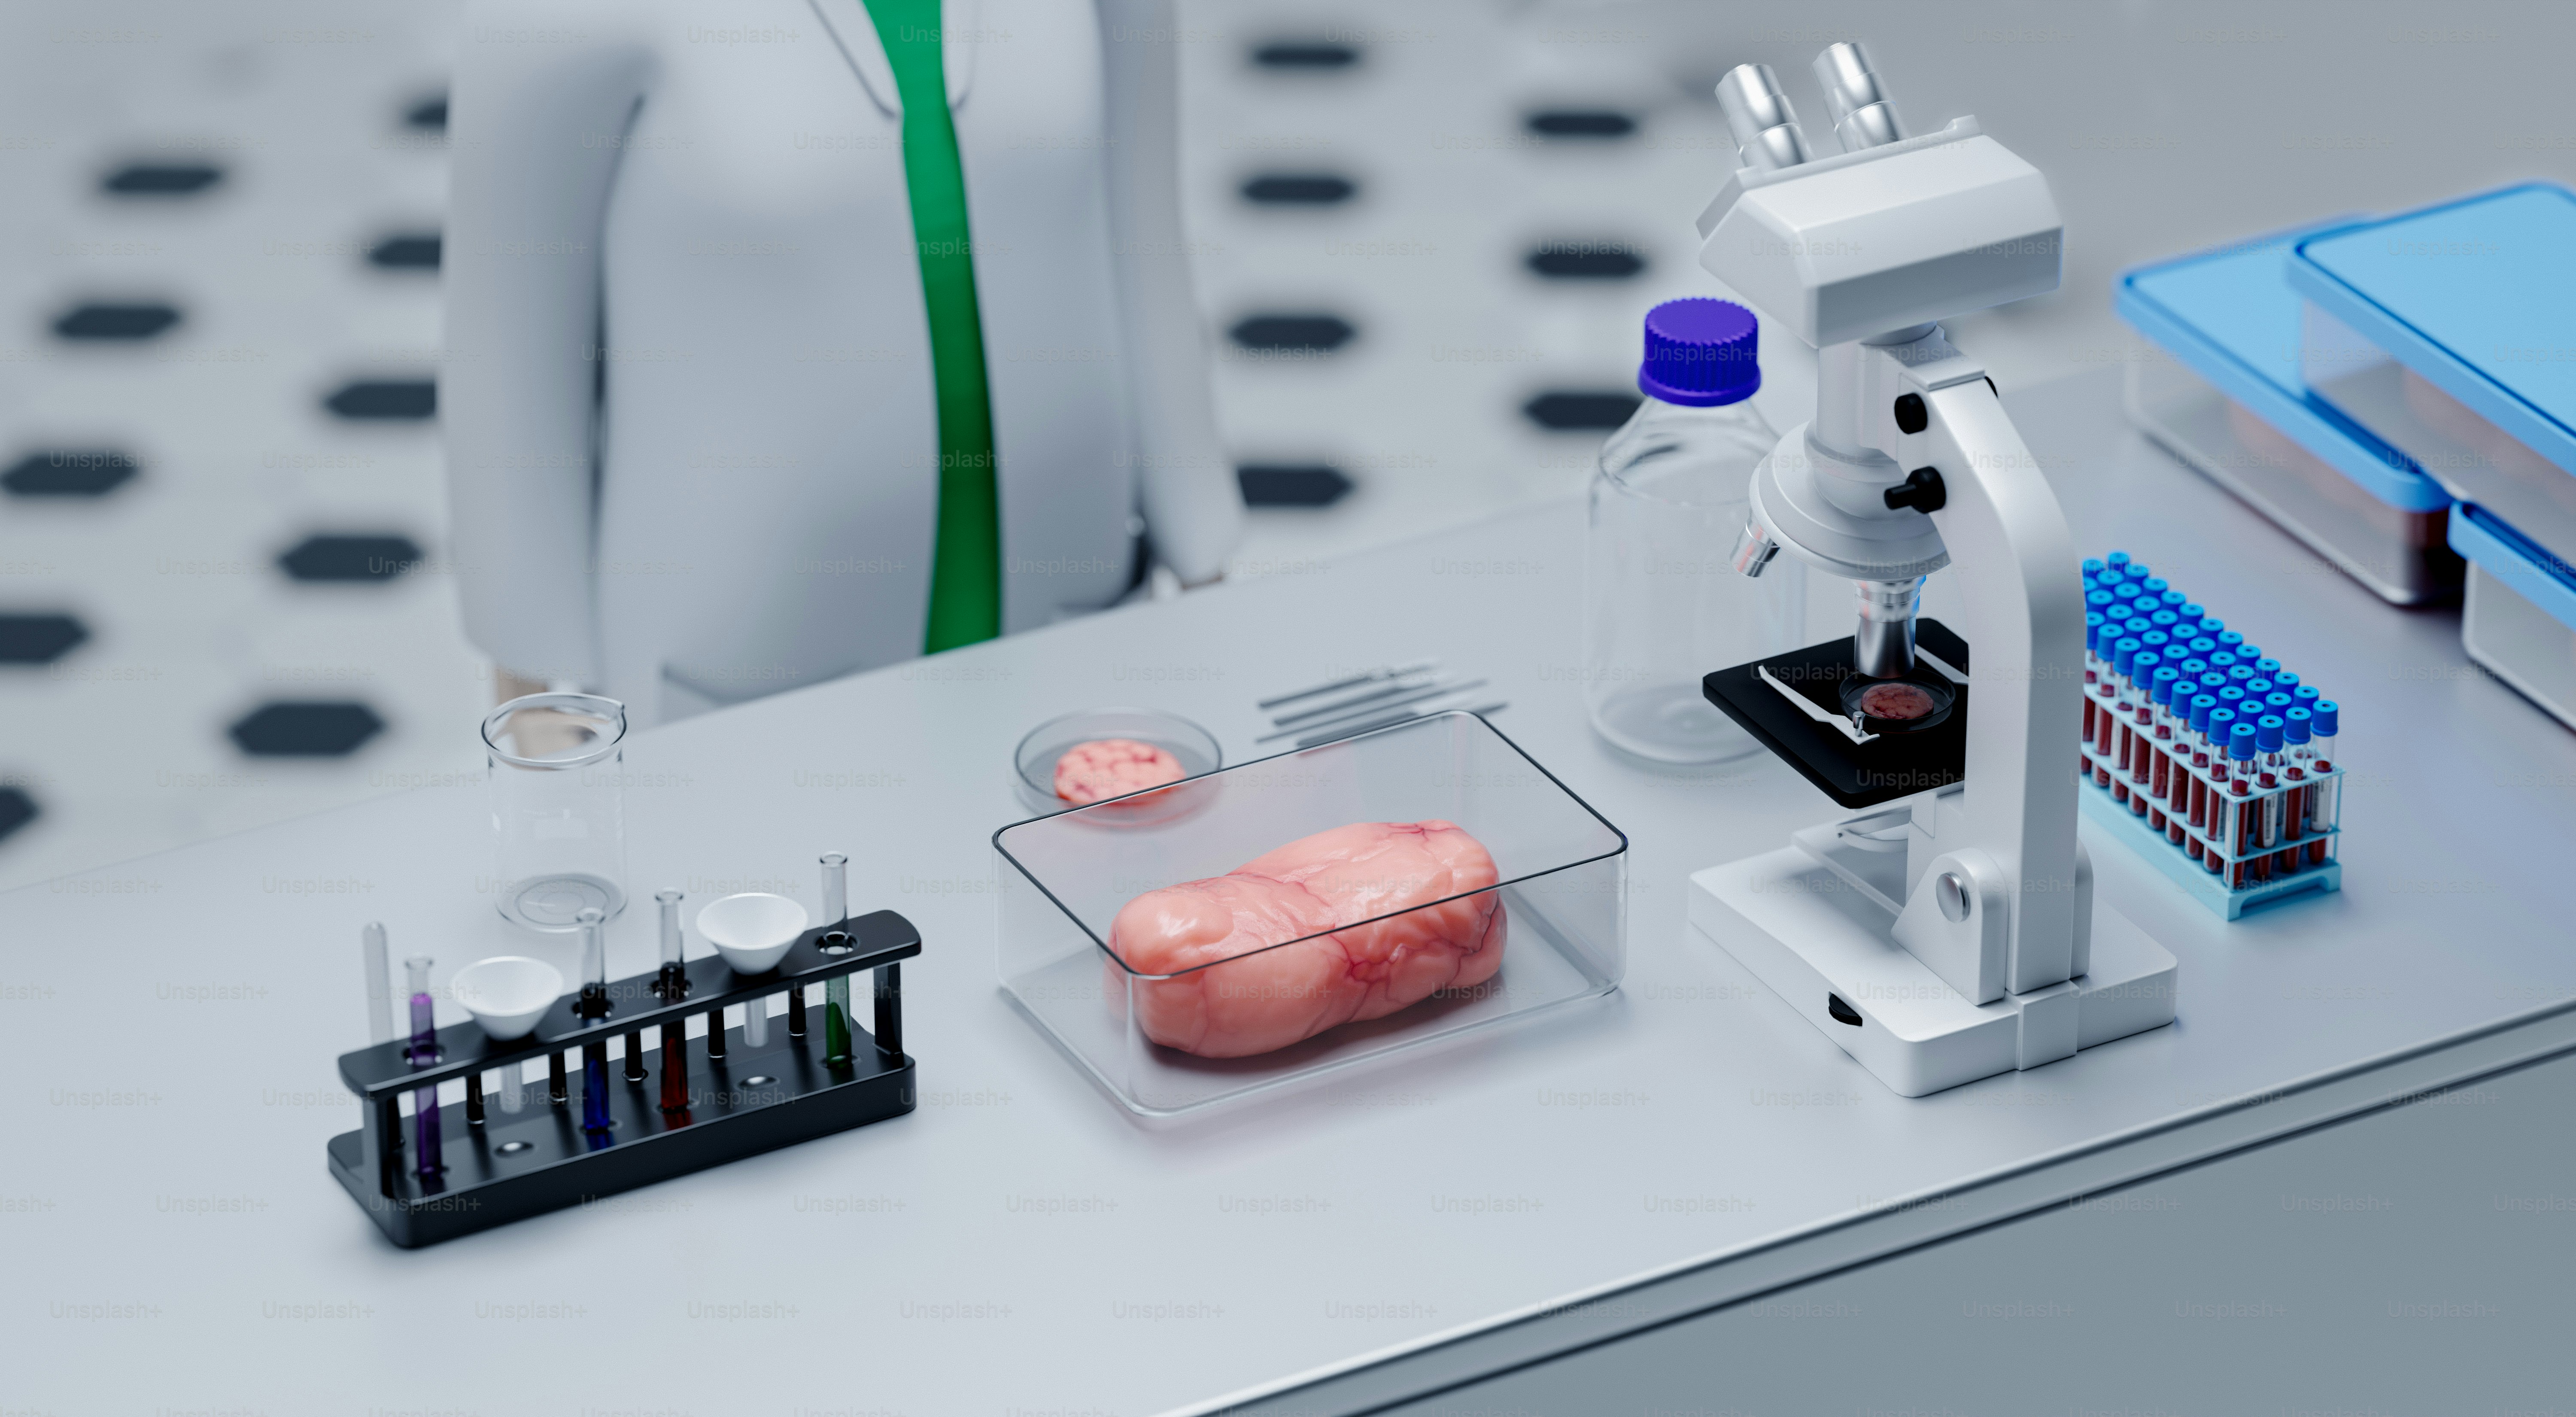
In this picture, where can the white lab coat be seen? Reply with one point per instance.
(691, 436)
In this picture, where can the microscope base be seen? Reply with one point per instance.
(1819, 942)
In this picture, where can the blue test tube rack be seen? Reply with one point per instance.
(2200, 751)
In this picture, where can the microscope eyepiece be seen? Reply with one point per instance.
(1863, 115)
(1758, 116)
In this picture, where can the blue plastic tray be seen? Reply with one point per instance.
(2532, 573)
(2230, 316)
(2476, 296)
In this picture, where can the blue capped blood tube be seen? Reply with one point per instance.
(2195, 807)
(2160, 782)
(2092, 673)
(2243, 811)
(2117, 560)
(2142, 718)
(2323, 796)
(2092, 567)
(2270, 779)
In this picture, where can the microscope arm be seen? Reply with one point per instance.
(536, 134)
(1193, 505)
(2015, 564)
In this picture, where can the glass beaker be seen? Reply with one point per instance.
(555, 768)
(1662, 605)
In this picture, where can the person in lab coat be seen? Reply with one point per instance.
(787, 338)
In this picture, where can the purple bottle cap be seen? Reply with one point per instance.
(1700, 353)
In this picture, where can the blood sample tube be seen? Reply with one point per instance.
(2296, 755)
(2154, 585)
(2116, 561)
(2141, 724)
(2092, 567)
(2092, 669)
(2214, 821)
(2164, 619)
(2325, 793)
(2193, 613)
(2267, 666)
(2192, 800)
(2271, 780)
(2228, 639)
(2160, 781)
(2136, 571)
(2111, 732)
(2243, 810)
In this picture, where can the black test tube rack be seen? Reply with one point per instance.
(500, 1166)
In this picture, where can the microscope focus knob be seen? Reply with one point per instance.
(1921, 490)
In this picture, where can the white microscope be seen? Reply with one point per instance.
(1949, 931)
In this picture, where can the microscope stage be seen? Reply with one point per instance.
(1889, 766)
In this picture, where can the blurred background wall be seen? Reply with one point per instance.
(1423, 231)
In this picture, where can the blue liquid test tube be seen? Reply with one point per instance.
(595, 1117)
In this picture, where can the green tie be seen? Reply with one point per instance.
(966, 551)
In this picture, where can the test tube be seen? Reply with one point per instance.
(595, 1116)
(424, 1051)
(594, 964)
(2093, 623)
(673, 982)
(380, 983)
(2325, 718)
(2116, 561)
(836, 992)
(2271, 777)
(2214, 822)
(2191, 797)
(2241, 807)
(2163, 748)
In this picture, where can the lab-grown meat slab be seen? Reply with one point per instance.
(1247, 990)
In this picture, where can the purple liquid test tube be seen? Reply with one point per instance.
(424, 1051)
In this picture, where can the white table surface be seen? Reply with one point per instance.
(1019, 1245)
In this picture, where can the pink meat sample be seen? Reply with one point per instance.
(1112, 767)
(1250, 998)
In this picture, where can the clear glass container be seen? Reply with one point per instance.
(555, 772)
(1662, 606)
(1560, 886)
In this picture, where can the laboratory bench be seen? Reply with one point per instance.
(1019, 1243)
